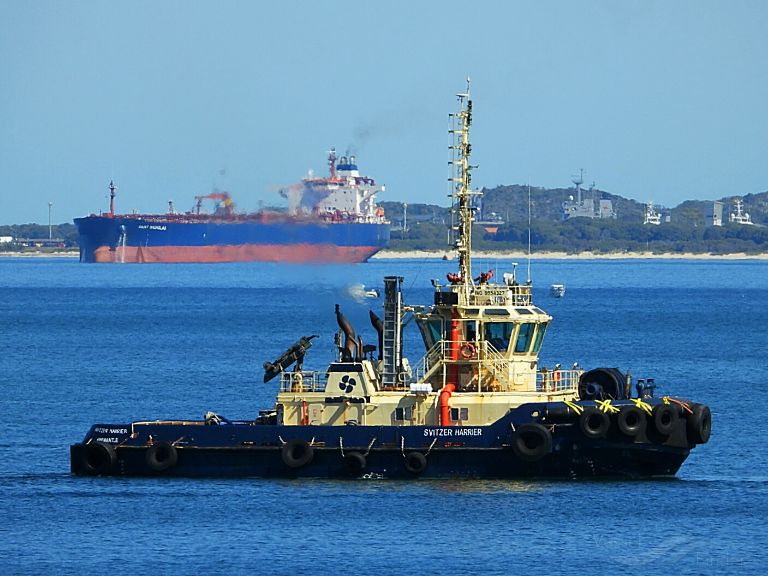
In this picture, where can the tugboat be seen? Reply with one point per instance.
(476, 405)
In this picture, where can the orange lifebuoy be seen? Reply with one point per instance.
(467, 350)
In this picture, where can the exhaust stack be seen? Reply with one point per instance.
(379, 327)
(349, 351)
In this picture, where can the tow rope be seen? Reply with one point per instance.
(680, 403)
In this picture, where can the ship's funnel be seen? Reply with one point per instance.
(348, 352)
(378, 324)
(360, 350)
(294, 354)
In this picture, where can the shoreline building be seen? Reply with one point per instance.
(737, 215)
(715, 218)
(651, 216)
(585, 207)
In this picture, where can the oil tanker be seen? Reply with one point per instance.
(330, 219)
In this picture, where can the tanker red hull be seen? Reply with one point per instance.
(142, 239)
(299, 253)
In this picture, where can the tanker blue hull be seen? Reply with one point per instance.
(135, 239)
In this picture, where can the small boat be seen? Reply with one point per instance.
(477, 404)
(359, 291)
(557, 290)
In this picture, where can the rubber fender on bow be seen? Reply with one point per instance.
(699, 424)
(531, 442)
(415, 462)
(631, 421)
(161, 456)
(665, 418)
(297, 453)
(355, 462)
(610, 381)
(98, 458)
(594, 423)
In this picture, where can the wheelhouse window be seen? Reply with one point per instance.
(470, 330)
(539, 337)
(431, 330)
(524, 337)
(496, 312)
(497, 334)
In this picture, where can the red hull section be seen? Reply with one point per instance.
(296, 253)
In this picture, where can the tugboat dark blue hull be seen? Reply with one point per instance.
(558, 444)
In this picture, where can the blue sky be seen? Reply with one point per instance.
(655, 100)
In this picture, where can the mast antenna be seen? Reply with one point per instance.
(529, 233)
(461, 179)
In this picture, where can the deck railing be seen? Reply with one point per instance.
(557, 380)
(304, 381)
(495, 362)
(483, 353)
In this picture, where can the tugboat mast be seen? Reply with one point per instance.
(462, 179)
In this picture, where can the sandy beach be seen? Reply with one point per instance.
(40, 254)
(424, 254)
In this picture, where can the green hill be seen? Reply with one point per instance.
(504, 224)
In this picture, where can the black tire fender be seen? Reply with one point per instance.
(631, 421)
(98, 458)
(699, 424)
(161, 456)
(415, 462)
(297, 453)
(531, 442)
(355, 462)
(665, 418)
(594, 423)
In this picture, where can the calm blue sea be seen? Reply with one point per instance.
(91, 343)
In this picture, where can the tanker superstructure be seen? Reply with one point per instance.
(332, 219)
